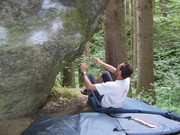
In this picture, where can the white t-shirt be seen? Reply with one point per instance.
(115, 92)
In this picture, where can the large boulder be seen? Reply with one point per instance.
(37, 37)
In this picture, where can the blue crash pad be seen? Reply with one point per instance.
(103, 124)
(133, 118)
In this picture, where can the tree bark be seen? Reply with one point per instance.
(68, 76)
(164, 4)
(115, 33)
(87, 55)
(128, 12)
(145, 49)
(131, 10)
(81, 84)
(134, 35)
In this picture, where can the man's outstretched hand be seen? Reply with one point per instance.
(97, 60)
(82, 67)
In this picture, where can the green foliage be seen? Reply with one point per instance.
(65, 93)
(62, 96)
(59, 79)
(96, 50)
(144, 95)
(166, 57)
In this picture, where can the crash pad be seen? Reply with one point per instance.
(103, 124)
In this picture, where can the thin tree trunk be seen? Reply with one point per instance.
(134, 35)
(81, 84)
(115, 33)
(87, 55)
(164, 4)
(130, 94)
(134, 40)
(128, 12)
(87, 61)
(145, 49)
(68, 76)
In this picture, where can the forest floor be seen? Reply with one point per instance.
(75, 106)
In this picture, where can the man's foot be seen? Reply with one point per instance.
(84, 92)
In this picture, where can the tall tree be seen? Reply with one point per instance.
(134, 40)
(145, 49)
(128, 18)
(128, 11)
(129, 29)
(87, 55)
(115, 33)
(68, 75)
(164, 4)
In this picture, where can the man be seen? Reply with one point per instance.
(111, 93)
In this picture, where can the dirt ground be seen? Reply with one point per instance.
(17, 125)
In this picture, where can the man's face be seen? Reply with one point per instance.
(118, 71)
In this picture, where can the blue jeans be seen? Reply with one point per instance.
(105, 76)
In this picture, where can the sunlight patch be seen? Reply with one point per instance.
(52, 4)
(3, 35)
(56, 25)
(39, 37)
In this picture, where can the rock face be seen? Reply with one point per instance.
(37, 37)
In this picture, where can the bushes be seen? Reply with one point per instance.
(166, 58)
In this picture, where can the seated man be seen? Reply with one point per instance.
(111, 93)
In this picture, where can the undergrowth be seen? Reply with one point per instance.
(60, 97)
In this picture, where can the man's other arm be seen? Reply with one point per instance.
(105, 65)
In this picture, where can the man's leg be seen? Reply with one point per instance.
(91, 78)
(93, 81)
(106, 76)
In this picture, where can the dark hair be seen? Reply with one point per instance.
(127, 70)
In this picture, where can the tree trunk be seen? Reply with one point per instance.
(130, 94)
(115, 33)
(87, 55)
(134, 35)
(68, 76)
(81, 84)
(164, 4)
(145, 49)
(128, 12)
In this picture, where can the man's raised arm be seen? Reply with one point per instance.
(87, 82)
(105, 65)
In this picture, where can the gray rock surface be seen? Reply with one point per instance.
(37, 37)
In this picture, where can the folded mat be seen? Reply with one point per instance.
(131, 106)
